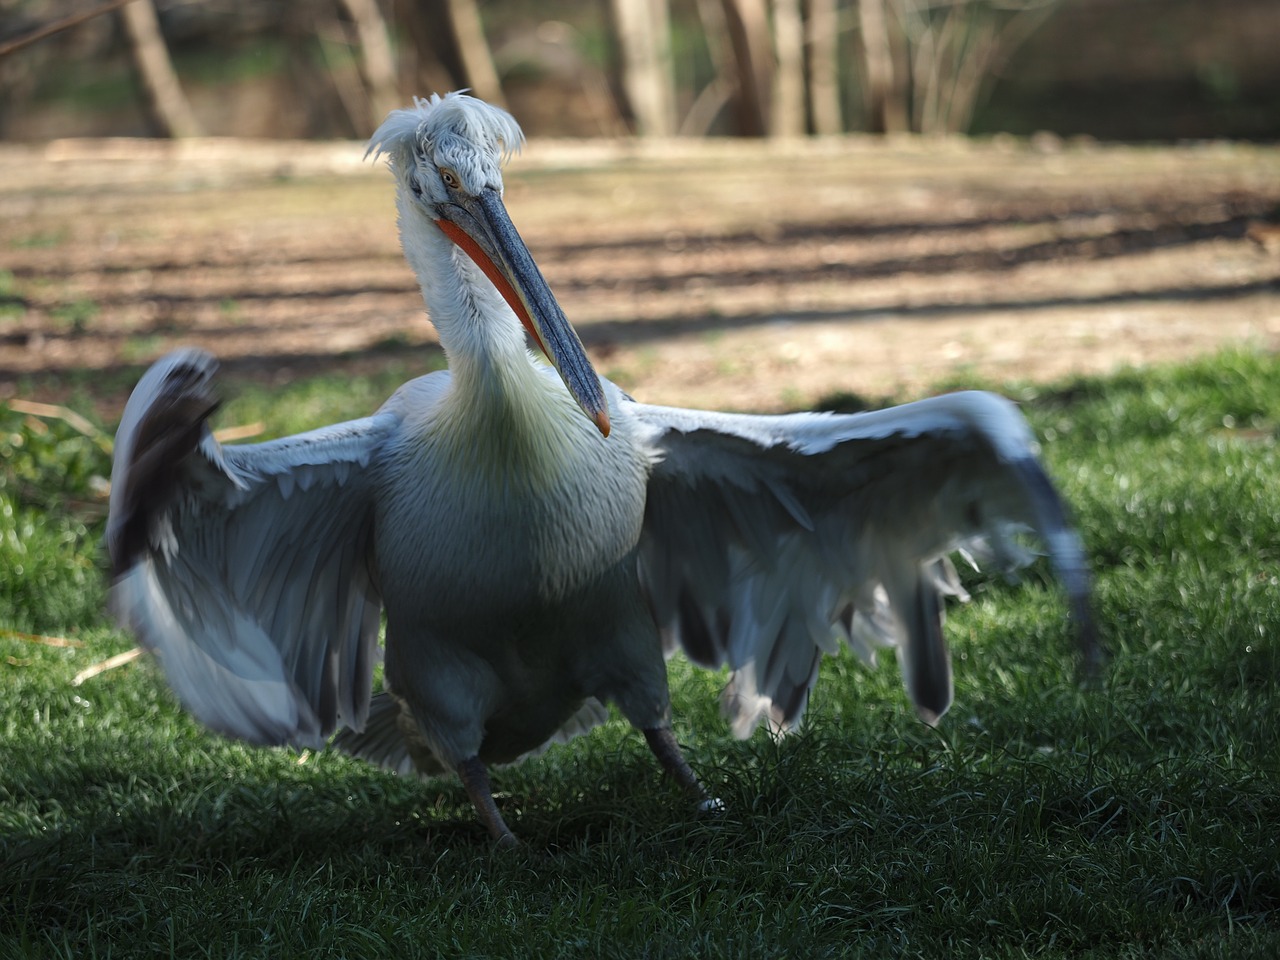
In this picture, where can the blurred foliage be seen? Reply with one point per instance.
(53, 483)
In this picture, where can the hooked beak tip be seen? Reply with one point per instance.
(601, 420)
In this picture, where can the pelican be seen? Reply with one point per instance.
(538, 540)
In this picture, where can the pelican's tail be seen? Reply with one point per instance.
(382, 741)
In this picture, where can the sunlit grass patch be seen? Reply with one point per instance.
(306, 403)
(1134, 819)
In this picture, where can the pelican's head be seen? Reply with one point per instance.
(447, 154)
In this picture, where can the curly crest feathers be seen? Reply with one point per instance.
(438, 125)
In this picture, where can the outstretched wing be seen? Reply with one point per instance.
(769, 539)
(245, 568)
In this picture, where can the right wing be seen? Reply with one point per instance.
(245, 568)
(768, 539)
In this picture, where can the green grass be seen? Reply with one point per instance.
(315, 401)
(1135, 820)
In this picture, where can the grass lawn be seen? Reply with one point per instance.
(1140, 819)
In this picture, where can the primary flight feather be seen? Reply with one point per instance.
(537, 540)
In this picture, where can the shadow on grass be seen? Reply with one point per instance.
(601, 336)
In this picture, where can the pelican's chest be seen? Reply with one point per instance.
(480, 509)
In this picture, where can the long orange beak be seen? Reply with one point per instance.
(481, 227)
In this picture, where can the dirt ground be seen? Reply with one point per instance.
(735, 275)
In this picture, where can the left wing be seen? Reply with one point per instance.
(769, 539)
(245, 568)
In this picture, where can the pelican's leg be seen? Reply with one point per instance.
(475, 780)
(664, 746)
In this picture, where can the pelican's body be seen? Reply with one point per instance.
(562, 602)
(535, 563)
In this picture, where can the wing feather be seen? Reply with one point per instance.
(245, 568)
(769, 540)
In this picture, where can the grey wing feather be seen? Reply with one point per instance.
(769, 540)
(245, 568)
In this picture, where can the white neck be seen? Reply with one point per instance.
(481, 336)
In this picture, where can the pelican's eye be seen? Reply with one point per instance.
(450, 179)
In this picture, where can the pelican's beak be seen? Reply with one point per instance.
(480, 226)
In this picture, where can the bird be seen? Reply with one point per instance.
(538, 541)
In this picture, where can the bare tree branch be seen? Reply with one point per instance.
(57, 26)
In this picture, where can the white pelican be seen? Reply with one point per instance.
(535, 563)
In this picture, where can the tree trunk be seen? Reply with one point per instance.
(311, 83)
(787, 115)
(723, 88)
(377, 63)
(824, 77)
(165, 100)
(877, 61)
(473, 49)
(644, 36)
(747, 23)
(342, 76)
(432, 61)
(897, 108)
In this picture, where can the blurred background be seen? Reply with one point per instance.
(1147, 70)
(749, 205)
(744, 204)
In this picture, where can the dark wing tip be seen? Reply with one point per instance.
(165, 420)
